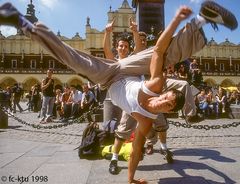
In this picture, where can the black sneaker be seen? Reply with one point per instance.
(168, 155)
(9, 15)
(216, 14)
(113, 167)
(149, 150)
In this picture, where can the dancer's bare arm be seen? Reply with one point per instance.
(156, 65)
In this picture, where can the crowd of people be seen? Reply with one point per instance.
(11, 98)
(215, 102)
(187, 70)
(211, 102)
(66, 104)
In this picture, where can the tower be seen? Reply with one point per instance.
(150, 15)
(30, 15)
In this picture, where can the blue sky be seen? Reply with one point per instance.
(69, 16)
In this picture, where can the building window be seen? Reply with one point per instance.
(51, 64)
(222, 67)
(207, 67)
(33, 64)
(100, 55)
(237, 67)
(14, 64)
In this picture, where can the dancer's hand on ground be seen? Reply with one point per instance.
(139, 181)
(183, 13)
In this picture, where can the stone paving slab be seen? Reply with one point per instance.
(201, 156)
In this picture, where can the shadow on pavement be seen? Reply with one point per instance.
(204, 153)
(181, 167)
(190, 180)
(14, 127)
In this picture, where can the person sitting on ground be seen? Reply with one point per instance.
(211, 100)
(203, 103)
(57, 103)
(182, 72)
(221, 99)
(74, 102)
(88, 101)
(65, 112)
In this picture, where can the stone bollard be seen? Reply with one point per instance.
(3, 115)
(111, 111)
(3, 119)
(235, 111)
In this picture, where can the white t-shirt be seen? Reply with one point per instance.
(124, 93)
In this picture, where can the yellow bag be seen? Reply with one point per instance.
(124, 153)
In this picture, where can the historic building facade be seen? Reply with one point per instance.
(220, 63)
(25, 62)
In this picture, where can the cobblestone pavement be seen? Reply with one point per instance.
(201, 156)
(177, 136)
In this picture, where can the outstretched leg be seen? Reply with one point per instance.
(98, 70)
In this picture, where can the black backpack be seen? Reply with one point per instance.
(90, 146)
(94, 139)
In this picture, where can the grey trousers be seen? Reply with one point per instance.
(186, 42)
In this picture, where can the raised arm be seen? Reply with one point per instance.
(165, 39)
(156, 65)
(136, 36)
(106, 41)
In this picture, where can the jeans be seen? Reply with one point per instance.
(47, 106)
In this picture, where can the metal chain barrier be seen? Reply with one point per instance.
(205, 127)
(84, 116)
(60, 125)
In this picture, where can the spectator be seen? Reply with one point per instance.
(64, 113)
(36, 98)
(221, 99)
(29, 97)
(48, 97)
(234, 97)
(212, 104)
(74, 102)
(195, 72)
(202, 102)
(57, 103)
(8, 95)
(17, 93)
(171, 73)
(88, 100)
(182, 72)
(96, 90)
